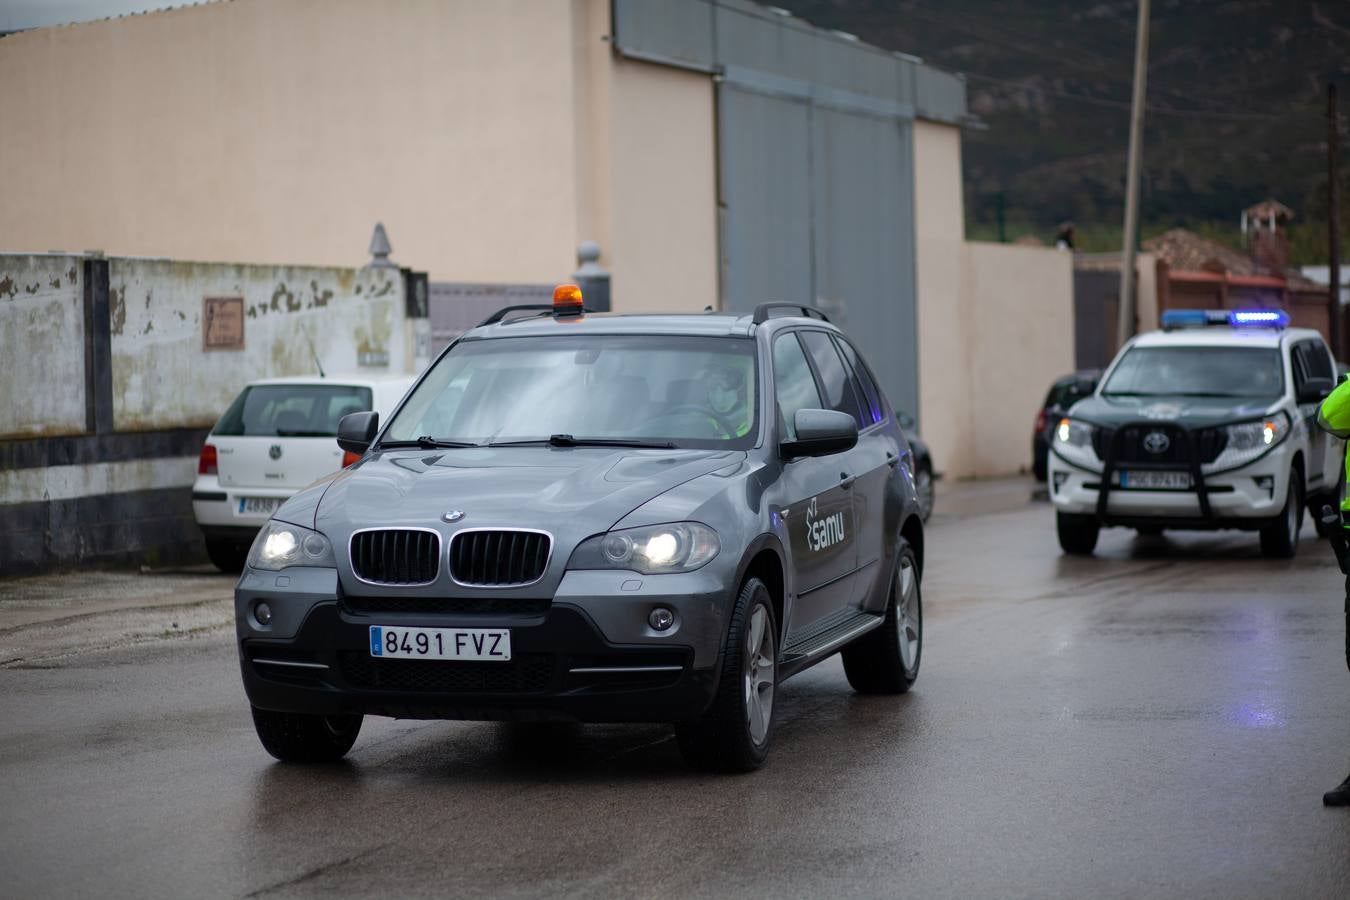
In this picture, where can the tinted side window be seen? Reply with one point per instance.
(834, 378)
(872, 412)
(793, 386)
(1318, 360)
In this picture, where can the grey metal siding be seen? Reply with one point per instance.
(815, 164)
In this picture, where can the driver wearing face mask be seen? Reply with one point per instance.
(727, 400)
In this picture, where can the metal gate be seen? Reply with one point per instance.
(817, 206)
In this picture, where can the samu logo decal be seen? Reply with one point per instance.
(823, 533)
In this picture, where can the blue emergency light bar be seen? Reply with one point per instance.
(1235, 318)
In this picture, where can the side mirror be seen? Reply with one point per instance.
(1314, 390)
(356, 431)
(820, 432)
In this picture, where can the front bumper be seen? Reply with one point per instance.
(1245, 498)
(568, 662)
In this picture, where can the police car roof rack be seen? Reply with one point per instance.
(762, 311)
(537, 308)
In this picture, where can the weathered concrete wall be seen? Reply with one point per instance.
(99, 432)
(1021, 307)
(162, 377)
(41, 346)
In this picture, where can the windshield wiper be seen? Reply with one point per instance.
(426, 442)
(566, 440)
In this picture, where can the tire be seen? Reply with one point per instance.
(724, 738)
(925, 489)
(1040, 462)
(886, 659)
(227, 556)
(1077, 533)
(297, 737)
(1279, 540)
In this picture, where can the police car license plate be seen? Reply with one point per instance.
(261, 505)
(1154, 481)
(470, 644)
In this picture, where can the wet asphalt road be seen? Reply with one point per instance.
(1160, 720)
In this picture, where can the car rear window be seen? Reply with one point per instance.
(291, 410)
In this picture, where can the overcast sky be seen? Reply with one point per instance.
(18, 14)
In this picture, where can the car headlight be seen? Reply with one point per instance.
(1073, 441)
(652, 550)
(281, 544)
(1245, 442)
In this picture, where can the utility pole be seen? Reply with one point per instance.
(1333, 224)
(1125, 324)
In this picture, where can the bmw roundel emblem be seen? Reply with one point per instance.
(274, 451)
(453, 515)
(1156, 442)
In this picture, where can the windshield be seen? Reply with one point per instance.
(291, 410)
(1199, 372)
(686, 391)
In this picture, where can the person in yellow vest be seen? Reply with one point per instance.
(1334, 417)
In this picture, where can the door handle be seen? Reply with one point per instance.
(846, 480)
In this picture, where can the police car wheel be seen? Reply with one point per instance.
(886, 659)
(298, 737)
(733, 735)
(1279, 539)
(1077, 533)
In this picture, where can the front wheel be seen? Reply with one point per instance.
(299, 737)
(886, 659)
(1077, 533)
(1279, 540)
(733, 735)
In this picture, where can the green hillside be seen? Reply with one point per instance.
(1236, 98)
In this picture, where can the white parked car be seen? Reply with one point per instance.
(276, 437)
(1207, 424)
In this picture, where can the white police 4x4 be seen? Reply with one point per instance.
(1207, 424)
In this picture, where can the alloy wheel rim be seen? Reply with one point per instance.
(907, 622)
(760, 664)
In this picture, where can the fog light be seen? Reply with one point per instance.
(263, 613)
(1266, 483)
(661, 619)
(1060, 478)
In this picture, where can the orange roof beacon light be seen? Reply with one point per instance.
(567, 300)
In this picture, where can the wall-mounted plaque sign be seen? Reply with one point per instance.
(223, 323)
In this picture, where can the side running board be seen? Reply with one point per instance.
(830, 634)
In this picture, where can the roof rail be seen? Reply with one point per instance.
(762, 311)
(536, 308)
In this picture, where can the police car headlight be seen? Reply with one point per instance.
(281, 544)
(1073, 441)
(653, 550)
(1247, 442)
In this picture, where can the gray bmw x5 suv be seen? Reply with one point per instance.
(597, 518)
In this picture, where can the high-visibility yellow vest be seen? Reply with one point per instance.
(1334, 416)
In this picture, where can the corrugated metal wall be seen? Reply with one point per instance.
(816, 164)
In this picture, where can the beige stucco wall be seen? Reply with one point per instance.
(664, 189)
(1021, 304)
(281, 132)
(943, 318)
